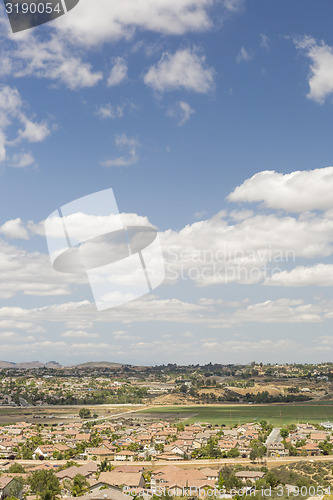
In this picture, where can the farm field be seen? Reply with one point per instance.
(238, 414)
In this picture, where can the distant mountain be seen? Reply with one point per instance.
(100, 364)
(56, 366)
(29, 365)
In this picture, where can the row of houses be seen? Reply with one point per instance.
(120, 442)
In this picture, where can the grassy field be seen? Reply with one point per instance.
(238, 414)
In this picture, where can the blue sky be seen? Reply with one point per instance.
(175, 105)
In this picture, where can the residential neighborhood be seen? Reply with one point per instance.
(132, 455)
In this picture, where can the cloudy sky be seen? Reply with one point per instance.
(211, 120)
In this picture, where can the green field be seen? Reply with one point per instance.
(240, 414)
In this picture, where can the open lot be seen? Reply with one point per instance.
(57, 414)
(238, 414)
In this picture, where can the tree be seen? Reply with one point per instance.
(80, 485)
(84, 413)
(45, 484)
(271, 479)
(15, 489)
(233, 453)
(284, 433)
(16, 468)
(253, 455)
(105, 466)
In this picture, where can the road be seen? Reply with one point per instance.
(268, 462)
(116, 415)
(274, 436)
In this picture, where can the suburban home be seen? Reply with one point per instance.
(277, 450)
(311, 449)
(101, 453)
(111, 493)
(175, 479)
(211, 474)
(124, 456)
(114, 478)
(45, 451)
(249, 475)
(88, 470)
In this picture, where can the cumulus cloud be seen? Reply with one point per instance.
(320, 77)
(12, 113)
(14, 229)
(33, 132)
(130, 145)
(52, 59)
(29, 273)
(115, 20)
(118, 72)
(317, 275)
(21, 160)
(297, 191)
(182, 112)
(79, 334)
(186, 69)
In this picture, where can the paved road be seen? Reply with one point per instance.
(268, 462)
(274, 436)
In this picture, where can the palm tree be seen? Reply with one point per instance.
(78, 486)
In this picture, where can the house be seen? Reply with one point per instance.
(100, 453)
(317, 437)
(45, 451)
(125, 455)
(276, 450)
(311, 450)
(327, 425)
(211, 474)
(114, 478)
(130, 468)
(111, 493)
(174, 479)
(249, 475)
(88, 470)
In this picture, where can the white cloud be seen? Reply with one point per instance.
(298, 191)
(317, 275)
(109, 111)
(115, 20)
(131, 146)
(185, 69)
(2, 146)
(265, 42)
(31, 273)
(11, 113)
(52, 59)
(243, 56)
(21, 160)
(118, 72)
(79, 334)
(182, 111)
(320, 78)
(233, 5)
(14, 229)
(33, 132)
